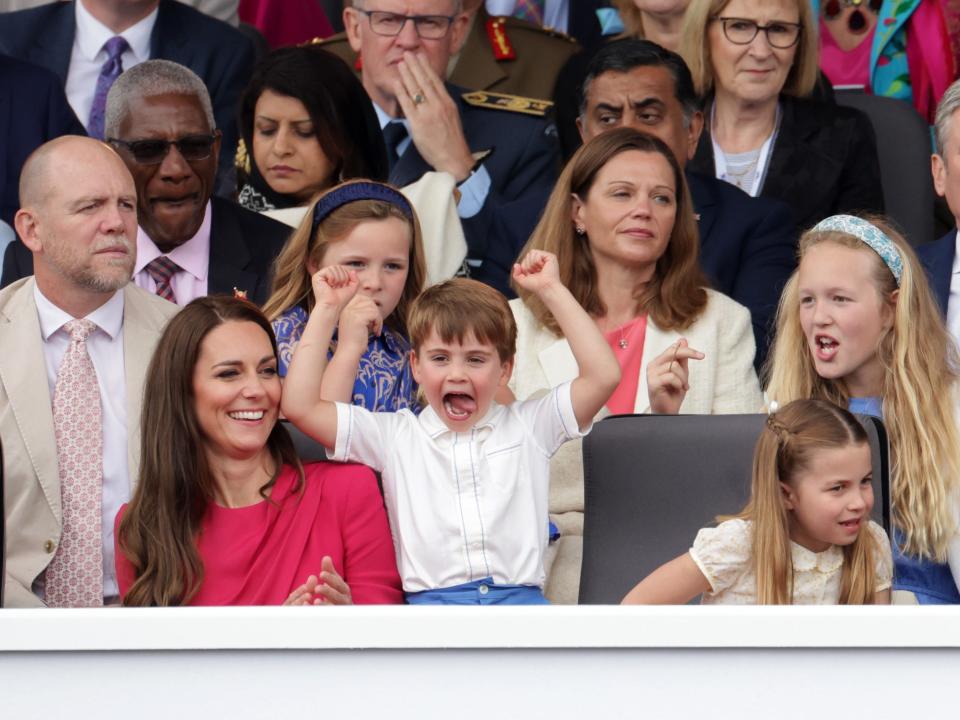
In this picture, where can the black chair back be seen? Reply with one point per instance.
(652, 481)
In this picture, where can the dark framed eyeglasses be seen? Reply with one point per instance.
(741, 31)
(152, 152)
(428, 27)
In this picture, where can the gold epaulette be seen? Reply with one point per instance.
(512, 103)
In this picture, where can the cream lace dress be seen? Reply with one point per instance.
(723, 556)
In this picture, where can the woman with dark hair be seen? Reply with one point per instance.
(224, 513)
(306, 124)
(621, 223)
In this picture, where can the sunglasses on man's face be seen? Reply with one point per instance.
(152, 152)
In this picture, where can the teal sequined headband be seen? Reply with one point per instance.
(870, 235)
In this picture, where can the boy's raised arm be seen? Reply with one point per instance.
(302, 401)
(538, 272)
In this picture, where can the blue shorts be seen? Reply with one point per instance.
(479, 592)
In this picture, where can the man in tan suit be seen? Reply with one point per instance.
(78, 218)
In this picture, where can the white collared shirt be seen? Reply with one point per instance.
(193, 257)
(953, 302)
(89, 55)
(105, 346)
(473, 190)
(464, 506)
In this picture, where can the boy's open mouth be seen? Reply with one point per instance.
(459, 406)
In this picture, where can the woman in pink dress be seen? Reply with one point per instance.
(224, 513)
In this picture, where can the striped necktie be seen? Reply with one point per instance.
(162, 269)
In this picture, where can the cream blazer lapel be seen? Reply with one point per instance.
(24, 377)
(140, 335)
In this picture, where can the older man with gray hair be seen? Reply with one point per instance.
(160, 120)
(940, 258)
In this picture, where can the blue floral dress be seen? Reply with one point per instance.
(384, 379)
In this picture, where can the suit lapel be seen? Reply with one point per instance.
(654, 343)
(942, 266)
(704, 205)
(558, 363)
(792, 165)
(229, 254)
(167, 38)
(6, 111)
(410, 168)
(24, 376)
(138, 339)
(54, 46)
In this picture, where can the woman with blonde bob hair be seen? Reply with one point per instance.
(755, 64)
(805, 537)
(371, 229)
(858, 326)
(621, 223)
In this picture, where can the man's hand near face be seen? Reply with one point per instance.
(435, 126)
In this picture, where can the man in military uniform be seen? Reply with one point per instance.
(500, 149)
(500, 54)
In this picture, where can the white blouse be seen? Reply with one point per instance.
(723, 555)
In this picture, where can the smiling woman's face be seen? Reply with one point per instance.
(629, 213)
(236, 390)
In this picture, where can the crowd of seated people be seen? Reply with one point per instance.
(208, 245)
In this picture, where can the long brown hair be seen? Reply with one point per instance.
(786, 447)
(159, 529)
(675, 295)
(291, 279)
(919, 388)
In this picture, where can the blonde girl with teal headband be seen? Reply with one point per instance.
(858, 326)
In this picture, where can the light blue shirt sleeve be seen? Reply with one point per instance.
(7, 236)
(473, 193)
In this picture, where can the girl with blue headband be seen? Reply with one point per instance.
(858, 326)
(372, 229)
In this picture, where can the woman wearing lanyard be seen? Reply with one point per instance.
(755, 61)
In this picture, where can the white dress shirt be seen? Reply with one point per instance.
(193, 257)
(555, 12)
(473, 190)
(464, 506)
(105, 346)
(953, 302)
(89, 55)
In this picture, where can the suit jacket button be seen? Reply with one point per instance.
(49, 546)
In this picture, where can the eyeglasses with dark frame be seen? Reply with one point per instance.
(742, 31)
(428, 27)
(152, 152)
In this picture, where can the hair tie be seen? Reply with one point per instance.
(354, 191)
(777, 427)
(870, 235)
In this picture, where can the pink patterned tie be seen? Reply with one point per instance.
(74, 577)
(162, 269)
(529, 10)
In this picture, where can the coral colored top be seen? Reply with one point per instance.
(624, 398)
(256, 555)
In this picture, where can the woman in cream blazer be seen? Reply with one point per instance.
(621, 210)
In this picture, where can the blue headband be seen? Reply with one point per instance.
(870, 235)
(351, 192)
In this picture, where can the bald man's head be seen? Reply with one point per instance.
(36, 177)
(78, 216)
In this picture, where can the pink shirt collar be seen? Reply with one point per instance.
(193, 256)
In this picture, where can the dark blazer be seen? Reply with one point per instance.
(33, 109)
(747, 249)
(218, 53)
(243, 245)
(522, 164)
(937, 259)
(824, 161)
